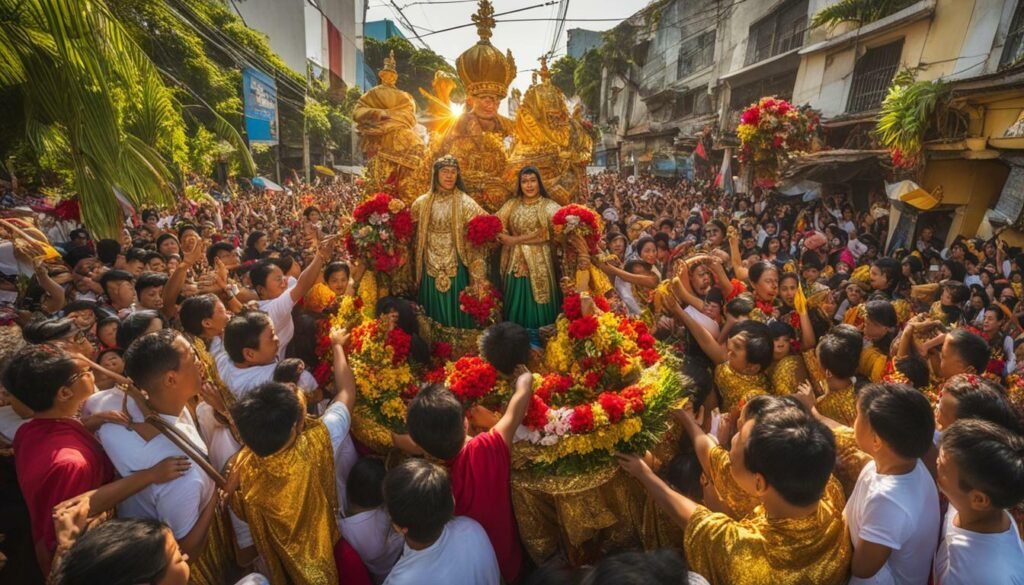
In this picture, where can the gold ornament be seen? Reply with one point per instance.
(482, 68)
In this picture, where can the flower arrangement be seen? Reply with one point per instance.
(482, 303)
(609, 390)
(475, 381)
(770, 131)
(378, 355)
(380, 232)
(482, 231)
(578, 220)
(350, 313)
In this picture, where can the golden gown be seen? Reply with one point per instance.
(872, 363)
(533, 261)
(290, 502)
(760, 550)
(737, 502)
(735, 387)
(441, 246)
(479, 146)
(839, 405)
(850, 460)
(786, 374)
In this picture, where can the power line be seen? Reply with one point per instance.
(412, 29)
(550, 2)
(563, 11)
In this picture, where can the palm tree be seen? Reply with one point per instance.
(94, 100)
(860, 12)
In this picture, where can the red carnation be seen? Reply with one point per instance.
(322, 372)
(617, 358)
(442, 351)
(471, 379)
(602, 303)
(650, 356)
(583, 327)
(483, 230)
(401, 224)
(399, 341)
(553, 384)
(635, 396)
(751, 115)
(613, 404)
(537, 413)
(645, 341)
(582, 419)
(591, 379)
(572, 308)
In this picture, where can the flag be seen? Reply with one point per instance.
(724, 178)
(700, 152)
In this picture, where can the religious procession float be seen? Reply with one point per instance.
(483, 223)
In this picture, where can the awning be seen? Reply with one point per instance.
(349, 169)
(838, 166)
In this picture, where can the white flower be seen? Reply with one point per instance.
(572, 222)
(549, 440)
(377, 218)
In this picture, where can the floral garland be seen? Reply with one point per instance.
(380, 233)
(475, 381)
(350, 313)
(578, 220)
(483, 304)
(770, 131)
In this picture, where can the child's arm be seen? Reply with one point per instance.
(705, 340)
(702, 442)
(517, 406)
(676, 505)
(344, 380)
(107, 496)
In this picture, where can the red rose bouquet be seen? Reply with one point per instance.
(581, 221)
(483, 304)
(475, 381)
(380, 233)
(770, 131)
(482, 231)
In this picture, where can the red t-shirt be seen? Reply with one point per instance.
(481, 483)
(55, 459)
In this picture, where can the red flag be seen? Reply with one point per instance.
(699, 151)
(334, 49)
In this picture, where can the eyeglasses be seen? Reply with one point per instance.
(78, 375)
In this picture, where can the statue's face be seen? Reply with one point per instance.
(485, 106)
(446, 177)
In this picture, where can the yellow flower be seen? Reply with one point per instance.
(396, 205)
(393, 408)
(600, 416)
(603, 439)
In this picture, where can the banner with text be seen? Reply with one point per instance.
(259, 93)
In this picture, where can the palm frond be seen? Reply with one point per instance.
(860, 12)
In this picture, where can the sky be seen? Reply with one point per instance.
(527, 40)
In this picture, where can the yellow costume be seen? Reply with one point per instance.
(737, 502)
(850, 460)
(839, 405)
(290, 502)
(758, 549)
(872, 363)
(786, 374)
(532, 296)
(385, 119)
(735, 387)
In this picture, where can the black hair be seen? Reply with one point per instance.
(892, 270)
(758, 270)
(900, 415)
(285, 263)
(134, 325)
(289, 370)
(120, 551)
(989, 458)
(740, 306)
(640, 243)
(107, 251)
(667, 222)
(211, 252)
(250, 242)
(883, 313)
(35, 373)
(958, 290)
(682, 473)
(840, 349)
(634, 262)
(243, 332)
(164, 237)
(133, 254)
(260, 271)
(148, 213)
(265, 417)
(114, 276)
(971, 347)
(418, 496)
(662, 238)
(794, 452)
(419, 350)
(151, 356)
(435, 421)
(977, 397)
(956, 269)
(777, 329)
(335, 267)
(149, 280)
(529, 169)
(365, 484)
(657, 567)
(80, 305)
(309, 211)
(194, 310)
(810, 259)
(915, 368)
(505, 345)
(759, 342)
(44, 330)
(184, 228)
(152, 255)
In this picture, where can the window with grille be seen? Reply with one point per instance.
(781, 31)
(695, 54)
(872, 75)
(1013, 49)
(780, 86)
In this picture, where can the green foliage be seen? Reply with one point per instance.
(563, 74)
(416, 67)
(860, 12)
(616, 49)
(908, 112)
(587, 79)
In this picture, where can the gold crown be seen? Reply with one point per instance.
(388, 74)
(482, 67)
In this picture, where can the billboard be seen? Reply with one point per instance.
(259, 94)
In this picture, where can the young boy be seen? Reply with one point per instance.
(784, 458)
(439, 548)
(247, 356)
(834, 350)
(149, 289)
(366, 524)
(980, 471)
(287, 487)
(893, 512)
(480, 467)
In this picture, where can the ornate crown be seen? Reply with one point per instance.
(483, 68)
(446, 161)
(388, 74)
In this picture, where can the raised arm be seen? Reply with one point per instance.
(344, 379)
(517, 406)
(311, 273)
(678, 507)
(708, 344)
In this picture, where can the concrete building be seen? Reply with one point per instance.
(382, 30)
(580, 41)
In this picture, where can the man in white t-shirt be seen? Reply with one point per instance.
(166, 367)
(278, 293)
(980, 470)
(893, 512)
(439, 548)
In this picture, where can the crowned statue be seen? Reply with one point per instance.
(445, 263)
(548, 137)
(477, 138)
(385, 118)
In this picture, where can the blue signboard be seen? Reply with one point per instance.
(259, 93)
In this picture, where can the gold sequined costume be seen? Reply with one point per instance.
(786, 374)
(735, 387)
(535, 261)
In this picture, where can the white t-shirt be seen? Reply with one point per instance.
(900, 512)
(966, 558)
(280, 312)
(218, 438)
(462, 555)
(373, 537)
(703, 320)
(239, 381)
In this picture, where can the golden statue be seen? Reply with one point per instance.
(439, 117)
(477, 137)
(546, 136)
(385, 118)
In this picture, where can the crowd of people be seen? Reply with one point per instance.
(856, 414)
